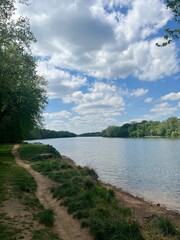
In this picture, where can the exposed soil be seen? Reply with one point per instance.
(143, 210)
(65, 225)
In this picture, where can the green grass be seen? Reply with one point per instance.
(80, 191)
(46, 217)
(44, 235)
(7, 233)
(166, 226)
(17, 184)
(6, 160)
(32, 151)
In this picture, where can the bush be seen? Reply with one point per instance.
(46, 217)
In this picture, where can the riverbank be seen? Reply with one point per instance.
(141, 208)
(145, 212)
(106, 212)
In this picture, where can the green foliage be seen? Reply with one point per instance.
(172, 34)
(46, 217)
(38, 133)
(166, 227)
(90, 134)
(22, 91)
(168, 128)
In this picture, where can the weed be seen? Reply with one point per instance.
(46, 217)
(32, 202)
(43, 234)
(166, 226)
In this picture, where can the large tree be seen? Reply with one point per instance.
(22, 91)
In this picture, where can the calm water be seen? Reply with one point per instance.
(149, 168)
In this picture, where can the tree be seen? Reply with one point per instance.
(172, 34)
(22, 91)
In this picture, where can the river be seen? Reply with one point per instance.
(146, 167)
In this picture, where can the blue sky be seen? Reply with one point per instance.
(101, 62)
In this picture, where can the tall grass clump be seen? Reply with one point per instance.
(166, 226)
(46, 217)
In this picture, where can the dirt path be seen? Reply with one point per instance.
(64, 225)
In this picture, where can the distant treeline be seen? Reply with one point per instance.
(167, 128)
(44, 133)
(91, 134)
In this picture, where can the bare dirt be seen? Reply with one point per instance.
(143, 210)
(65, 225)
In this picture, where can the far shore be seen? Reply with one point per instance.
(142, 209)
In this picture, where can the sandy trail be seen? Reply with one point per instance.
(64, 225)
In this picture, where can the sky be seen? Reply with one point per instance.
(102, 64)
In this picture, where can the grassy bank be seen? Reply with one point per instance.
(21, 214)
(80, 191)
(94, 205)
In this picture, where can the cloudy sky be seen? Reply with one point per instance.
(101, 62)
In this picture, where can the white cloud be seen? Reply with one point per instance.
(163, 109)
(171, 97)
(155, 62)
(57, 115)
(84, 36)
(60, 83)
(139, 92)
(148, 100)
(94, 110)
(102, 99)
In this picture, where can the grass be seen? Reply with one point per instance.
(17, 184)
(32, 151)
(46, 217)
(166, 227)
(7, 233)
(95, 206)
(44, 235)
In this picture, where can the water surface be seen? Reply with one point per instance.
(148, 168)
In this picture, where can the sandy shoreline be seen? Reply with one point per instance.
(142, 209)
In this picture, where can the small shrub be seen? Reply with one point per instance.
(86, 171)
(65, 190)
(88, 184)
(46, 217)
(81, 214)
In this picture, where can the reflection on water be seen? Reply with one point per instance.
(148, 168)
